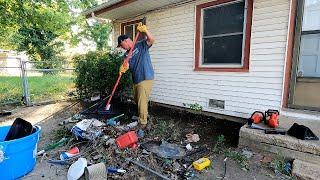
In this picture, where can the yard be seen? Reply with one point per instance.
(218, 137)
(42, 88)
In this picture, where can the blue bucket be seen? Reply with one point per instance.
(17, 157)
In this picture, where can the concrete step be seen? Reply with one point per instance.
(306, 171)
(288, 146)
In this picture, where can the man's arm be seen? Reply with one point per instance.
(150, 38)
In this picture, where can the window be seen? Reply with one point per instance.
(309, 57)
(223, 30)
(130, 29)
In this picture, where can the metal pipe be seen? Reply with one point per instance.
(146, 168)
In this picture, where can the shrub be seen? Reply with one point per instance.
(97, 72)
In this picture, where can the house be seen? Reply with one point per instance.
(232, 57)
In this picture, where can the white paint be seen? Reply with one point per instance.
(243, 92)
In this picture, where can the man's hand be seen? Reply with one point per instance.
(142, 28)
(124, 68)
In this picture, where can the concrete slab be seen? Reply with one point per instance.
(306, 171)
(288, 146)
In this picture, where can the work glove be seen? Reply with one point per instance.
(124, 68)
(142, 28)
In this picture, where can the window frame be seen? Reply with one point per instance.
(244, 67)
(123, 25)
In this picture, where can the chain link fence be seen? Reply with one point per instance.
(27, 82)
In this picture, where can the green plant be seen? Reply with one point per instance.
(195, 107)
(239, 158)
(219, 146)
(97, 72)
(280, 165)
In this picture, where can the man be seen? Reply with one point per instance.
(141, 68)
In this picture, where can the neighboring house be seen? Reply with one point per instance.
(10, 63)
(232, 57)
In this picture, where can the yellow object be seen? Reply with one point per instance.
(141, 93)
(142, 28)
(123, 68)
(201, 163)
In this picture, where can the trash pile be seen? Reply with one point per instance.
(108, 148)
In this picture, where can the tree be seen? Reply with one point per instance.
(42, 27)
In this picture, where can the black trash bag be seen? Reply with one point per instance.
(19, 129)
(301, 132)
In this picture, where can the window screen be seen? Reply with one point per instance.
(131, 29)
(128, 30)
(222, 34)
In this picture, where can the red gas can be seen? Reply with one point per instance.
(128, 139)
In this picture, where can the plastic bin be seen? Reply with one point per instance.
(17, 157)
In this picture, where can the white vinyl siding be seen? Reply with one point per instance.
(243, 92)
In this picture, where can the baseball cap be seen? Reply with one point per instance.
(121, 38)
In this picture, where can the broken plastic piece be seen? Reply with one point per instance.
(77, 169)
(193, 137)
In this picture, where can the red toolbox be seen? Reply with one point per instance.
(128, 139)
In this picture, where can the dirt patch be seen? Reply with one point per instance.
(164, 124)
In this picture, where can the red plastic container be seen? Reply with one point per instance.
(128, 139)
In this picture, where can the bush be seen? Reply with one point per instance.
(97, 72)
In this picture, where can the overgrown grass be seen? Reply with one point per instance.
(242, 160)
(42, 88)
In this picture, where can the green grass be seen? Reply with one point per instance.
(42, 88)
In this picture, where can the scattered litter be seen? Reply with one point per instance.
(248, 154)
(5, 113)
(201, 163)
(189, 147)
(96, 172)
(140, 133)
(128, 139)
(129, 126)
(69, 120)
(96, 157)
(95, 98)
(61, 142)
(164, 149)
(115, 170)
(77, 169)
(146, 168)
(193, 137)
(176, 166)
(77, 117)
(71, 153)
(61, 162)
(189, 175)
(135, 118)
(87, 129)
(110, 141)
(114, 121)
(266, 159)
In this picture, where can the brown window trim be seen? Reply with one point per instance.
(246, 51)
(129, 23)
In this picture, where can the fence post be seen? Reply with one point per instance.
(25, 85)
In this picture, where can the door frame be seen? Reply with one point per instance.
(295, 58)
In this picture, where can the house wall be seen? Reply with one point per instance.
(243, 92)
